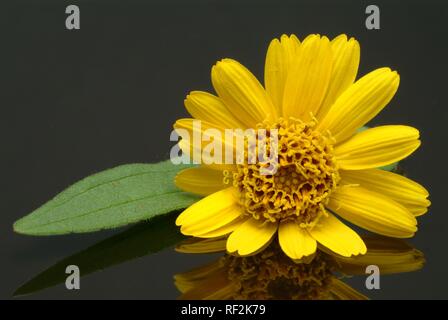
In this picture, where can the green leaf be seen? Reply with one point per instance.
(391, 167)
(109, 199)
(138, 241)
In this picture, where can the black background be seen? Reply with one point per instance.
(77, 102)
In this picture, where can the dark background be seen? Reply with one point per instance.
(77, 102)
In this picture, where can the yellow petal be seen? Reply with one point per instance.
(279, 59)
(207, 107)
(203, 130)
(216, 287)
(336, 236)
(373, 211)
(346, 54)
(212, 204)
(189, 280)
(225, 229)
(205, 143)
(241, 92)
(251, 237)
(194, 151)
(389, 254)
(359, 103)
(295, 241)
(418, 210)
(377, 147)
(195, 276)
(197, 245)
(343, 291)
(401, 189)
(308, 79)
(211, 220)
(201, 180)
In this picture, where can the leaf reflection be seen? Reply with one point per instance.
(138, 241)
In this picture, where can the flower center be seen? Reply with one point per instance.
(272, 275)
(305, 176)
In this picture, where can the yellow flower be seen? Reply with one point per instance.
(272, 275)
(326, 166)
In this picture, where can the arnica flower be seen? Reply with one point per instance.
(327, 166)
(272, 275)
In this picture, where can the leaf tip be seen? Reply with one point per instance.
(17, 227)
(22, 226)
(18, 293)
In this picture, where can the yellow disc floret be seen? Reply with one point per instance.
(272, 275)
(300, 187)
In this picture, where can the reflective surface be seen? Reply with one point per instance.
(80, 102)
(269, 274)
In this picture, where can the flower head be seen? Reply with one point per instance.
(326, 166)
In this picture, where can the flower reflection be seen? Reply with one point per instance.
(270, 274)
